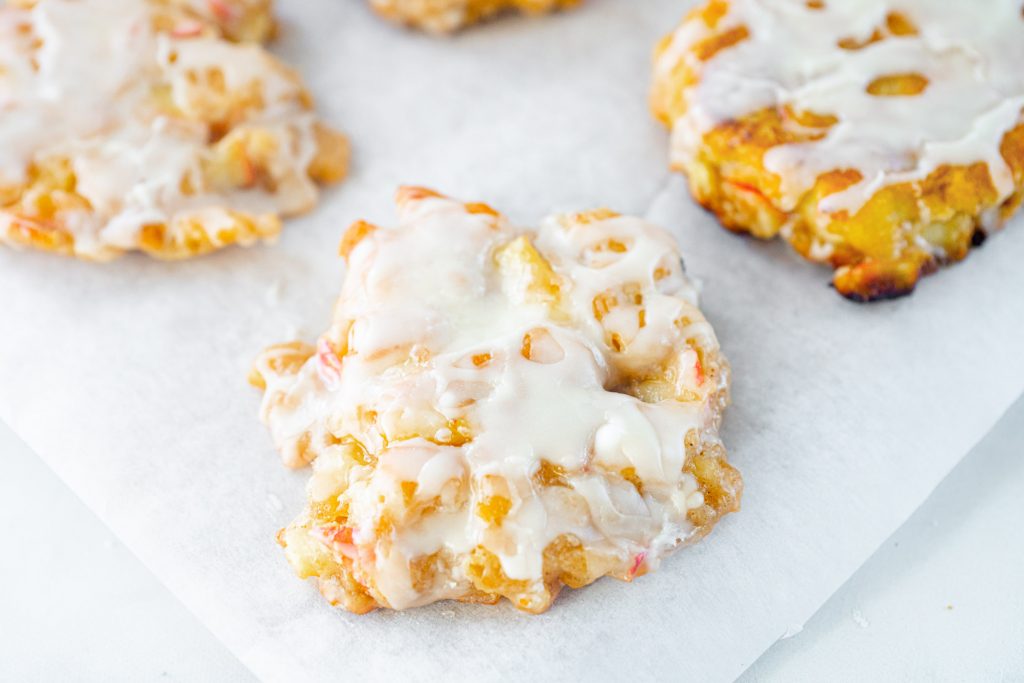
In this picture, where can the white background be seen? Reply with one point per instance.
(69, 610)
(941, 600)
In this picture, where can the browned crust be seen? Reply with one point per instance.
(566, 562)
(904, 232)
(447, 16)
(37, 212)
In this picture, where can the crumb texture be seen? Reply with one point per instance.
(497, 412)
(155, 125)
(883, 138)
(446, 16)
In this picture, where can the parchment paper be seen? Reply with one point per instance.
(129, 378)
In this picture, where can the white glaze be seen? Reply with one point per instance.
(971, 53)
(77, 81)
(431, 289)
